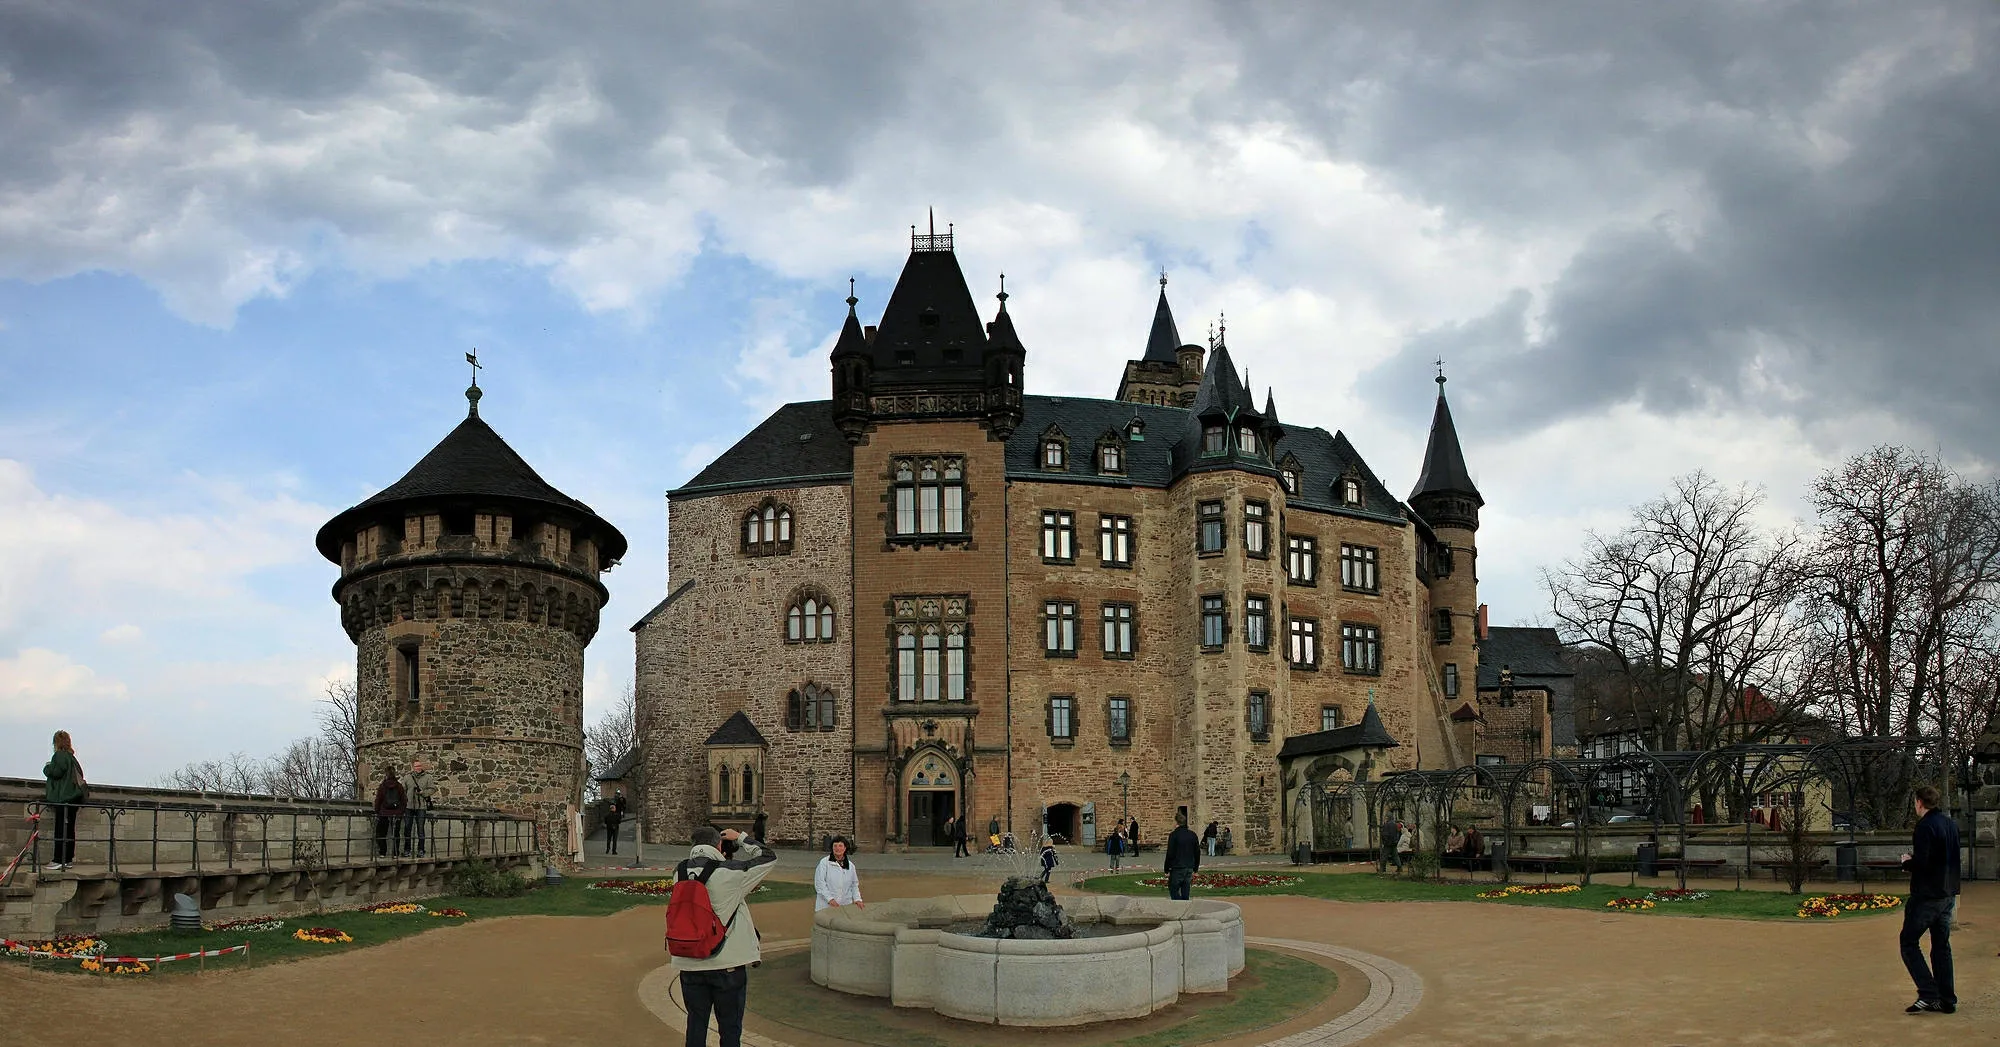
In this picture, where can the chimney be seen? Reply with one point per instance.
(868, 334)
(1482, 623)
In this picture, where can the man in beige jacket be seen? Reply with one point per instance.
(721, 983)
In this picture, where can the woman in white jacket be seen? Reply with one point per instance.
(835, 882)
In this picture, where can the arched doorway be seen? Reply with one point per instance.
(931, 791)
(1065, 822)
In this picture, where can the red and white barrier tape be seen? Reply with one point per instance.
(13, 948)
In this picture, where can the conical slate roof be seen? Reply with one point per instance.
(737, 730)
(852, 341)
(1222, 390)
(471, 464)
(1164, 343)
(1444, 464)
(929, 313)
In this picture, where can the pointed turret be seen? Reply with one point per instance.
(1005, 357)
(851, 370)
(1445, 495)
(1163, 344)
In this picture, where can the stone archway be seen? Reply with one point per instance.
(930, 792)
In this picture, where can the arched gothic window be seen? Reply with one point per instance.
(767, 529)
(809, 619)
(722, 793)
(811, 708)
(749, 785)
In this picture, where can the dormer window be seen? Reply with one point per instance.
(1054, 455)
(1290, 478)
(1214, 440)
(1350, 491)
(1110, 455)
(1246, 439)
(1136, 431)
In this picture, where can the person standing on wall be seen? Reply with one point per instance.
(419, 792)
(65, 790)
(1933, 864)
(733, 866)
(1183, 859)
(390, 802)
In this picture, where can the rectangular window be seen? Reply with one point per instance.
(1114, 541)
(1329, 717)
(1450, 680)
(1209, 534)
(906, 664)
(1214, 622)
(929, 496)
(1246, 439)
(1214, 440)
(1443, 627)
(1059, 629)
(933, 665)
(1304, 651)
(954, 667)
(1062, 718)
(1259, 716)
(1301, 560)
(413, 689)
(1118, 720)
(1256, 529)
(1119, 641)
(1360, 648)
(1357, 568)
(1058, 536)
(1257, 622)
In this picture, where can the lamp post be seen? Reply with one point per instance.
(1125, 795)
(811, 835)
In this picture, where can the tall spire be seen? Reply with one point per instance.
(1444, 470)
(1164, 342)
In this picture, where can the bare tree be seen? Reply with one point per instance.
(320, 766)
(340, 729)
(615, 733)
(235, 773)
(1697, 605)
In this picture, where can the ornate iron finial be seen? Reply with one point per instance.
(1440, 377)
(1003, 292)
(1163, 280)
(473, 394)
(1221, 329)
(851, 300)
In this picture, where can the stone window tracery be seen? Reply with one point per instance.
(811, 708)
(809, 619)
(767, 529)
(928, 497)
(931, 637)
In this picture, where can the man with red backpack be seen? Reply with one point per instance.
(709, 931)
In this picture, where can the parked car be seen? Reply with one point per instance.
(1852, 821)
(1610, 816)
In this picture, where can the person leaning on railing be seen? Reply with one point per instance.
(65, 790)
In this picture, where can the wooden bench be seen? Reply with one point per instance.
(1705, 866)
(1779, 865)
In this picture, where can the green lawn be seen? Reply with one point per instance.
(1372, 887)
(572, 898)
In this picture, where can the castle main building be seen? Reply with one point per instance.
(936, 593)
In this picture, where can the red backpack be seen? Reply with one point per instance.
(693, 930)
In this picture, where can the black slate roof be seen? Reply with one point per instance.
(1444, 461)
(1367, 734)
(930, 317)
(797, 444)
(619, 769)
(737, 730)
(1164, 342)
(1533, 654)
(472, 463)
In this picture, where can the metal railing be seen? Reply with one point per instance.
(148, 836)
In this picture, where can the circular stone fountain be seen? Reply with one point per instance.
(1127, 958)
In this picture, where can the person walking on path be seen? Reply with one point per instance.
(720, 985)
(1132, 833)
(1392, 834)
(756, 826)
(1114, 845)
(390, 801)
(1049, 858)
(950, 830)
(419, 793)
(614, 816)
(1183, 859)
(66, 789)
(1933, 864)
(834, 881)
(958, 849)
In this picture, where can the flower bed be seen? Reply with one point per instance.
(457, 914)
(392, 908)
(1229, 881)
(1827, 906)
(248, 923)
(1526, 890)
(1629, 904)
(1676, 894)
(96, 967)
(62, 946)
(322, 935)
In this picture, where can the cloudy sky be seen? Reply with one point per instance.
(243, 248)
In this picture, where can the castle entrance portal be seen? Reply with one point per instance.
(930, 793)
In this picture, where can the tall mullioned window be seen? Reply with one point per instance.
(1118, 720)
(1119, 638)
(1214, 622)
(1329, 717)
(1114, 541)
(1215, 440)
(1062, 717)
(767, 530)
(1059, 629)
(1258, 715)
(1058, 536)
(809, 620)
(1246, 439)
(1357, 568)
(929, 497)
(1301, 560)
(1209, 531)
(1256, 529)
(1360, 648)
(1110, 458)
(1304, 646)
(930, 648)
(1257, 622)
(1450, 680)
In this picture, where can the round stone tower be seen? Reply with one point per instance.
(470, 588)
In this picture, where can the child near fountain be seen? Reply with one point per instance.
(1049, 858)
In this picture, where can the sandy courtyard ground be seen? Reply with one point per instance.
(1492, 975)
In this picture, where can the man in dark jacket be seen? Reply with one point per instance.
(1183, 859)
(1933, 867)
(958, 849)
(390, 802)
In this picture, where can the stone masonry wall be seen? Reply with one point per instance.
(720, 648)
